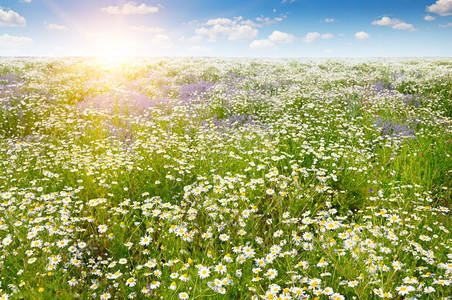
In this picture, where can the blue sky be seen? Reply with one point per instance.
(258, 28)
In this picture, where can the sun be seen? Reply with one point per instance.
(113, 56)
(112, 49)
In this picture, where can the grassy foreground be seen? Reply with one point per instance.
(225, 179)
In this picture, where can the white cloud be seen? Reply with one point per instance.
(310, 37)
(326, 36)
(26, 1)
(161, 40)
(262, 45)
(270, 21)
(250, 23)
(404, 26)
(228, 27)
(330, 20)
(242, 32)
(114, 10)
(441, 7)
(130, 8)
(11, 19)
(429, 18)
(10, 41)
(327, 51)
(281, 37)
(277, 37)
(445, 25)
(147, 29)
(55, 27)
(361, 36)
(222, 21)
(385, 21)
(206, 31)
(394, 23)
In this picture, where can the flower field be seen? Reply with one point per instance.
(198, 178)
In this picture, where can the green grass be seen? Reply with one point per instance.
(321, 179)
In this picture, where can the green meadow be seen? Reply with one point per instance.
(210, 178)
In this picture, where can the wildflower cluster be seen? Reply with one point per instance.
(225, 179)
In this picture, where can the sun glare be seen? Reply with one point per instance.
(113, 56)
(112, 51)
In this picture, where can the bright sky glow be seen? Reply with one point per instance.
(257, 28)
